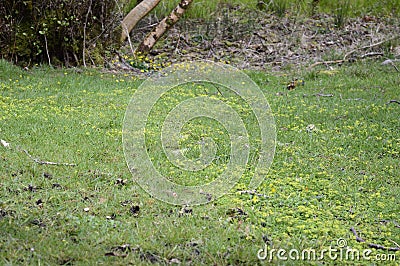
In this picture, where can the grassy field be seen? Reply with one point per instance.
(336, 167)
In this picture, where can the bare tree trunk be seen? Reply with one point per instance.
(136, 14)
(165, 24)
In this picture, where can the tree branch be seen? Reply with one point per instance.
(151, 39)
(135, 15)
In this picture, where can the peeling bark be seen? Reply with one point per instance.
(135, 15)
(164, 25)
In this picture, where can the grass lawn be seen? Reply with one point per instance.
(336, 167)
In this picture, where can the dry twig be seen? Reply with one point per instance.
(376, 246)
(38, 161)
(391, 62)
(323, 95)
(252, 192)
(393, 101)
(395, 67)
(373, 245)
(327, 63)
(396, 224)
(371, 54)
(358, 239)
(319, 95)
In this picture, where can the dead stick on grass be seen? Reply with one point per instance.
(323, 95)
(358, 239)
(9, 146)
(372, 245)
(371, 55)
(395, 67)
(376, 246)
(252, 192)
(38, 161)
(396, 224)
(354, 99)
(319, 95)
(391, 62)
(393, 101)
(395, 243)
(327, 63)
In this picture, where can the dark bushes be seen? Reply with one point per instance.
(67, 32)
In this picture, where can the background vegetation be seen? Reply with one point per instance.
(58, 32)
(85, 32)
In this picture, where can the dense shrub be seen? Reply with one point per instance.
(69, 32)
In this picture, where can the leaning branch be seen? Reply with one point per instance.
(164, 25)
(135, 15)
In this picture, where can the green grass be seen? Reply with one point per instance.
(208, 8)
(341, 174)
